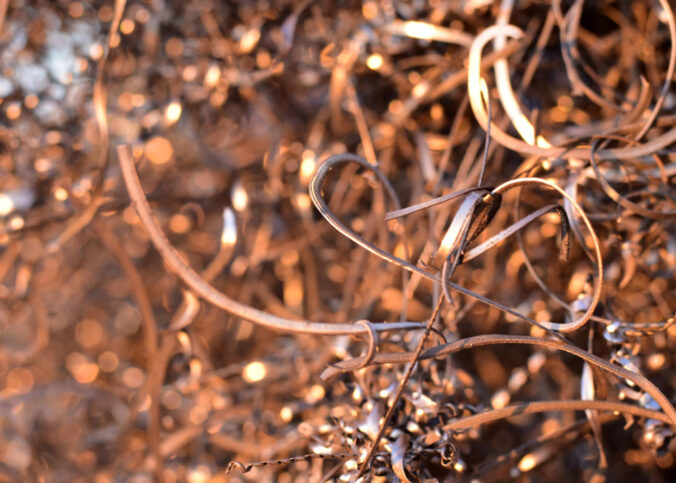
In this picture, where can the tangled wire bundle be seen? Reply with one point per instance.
(537, 353)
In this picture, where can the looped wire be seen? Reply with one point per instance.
(322, 206)
(374, 340)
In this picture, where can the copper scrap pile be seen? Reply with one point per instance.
(405, 240)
